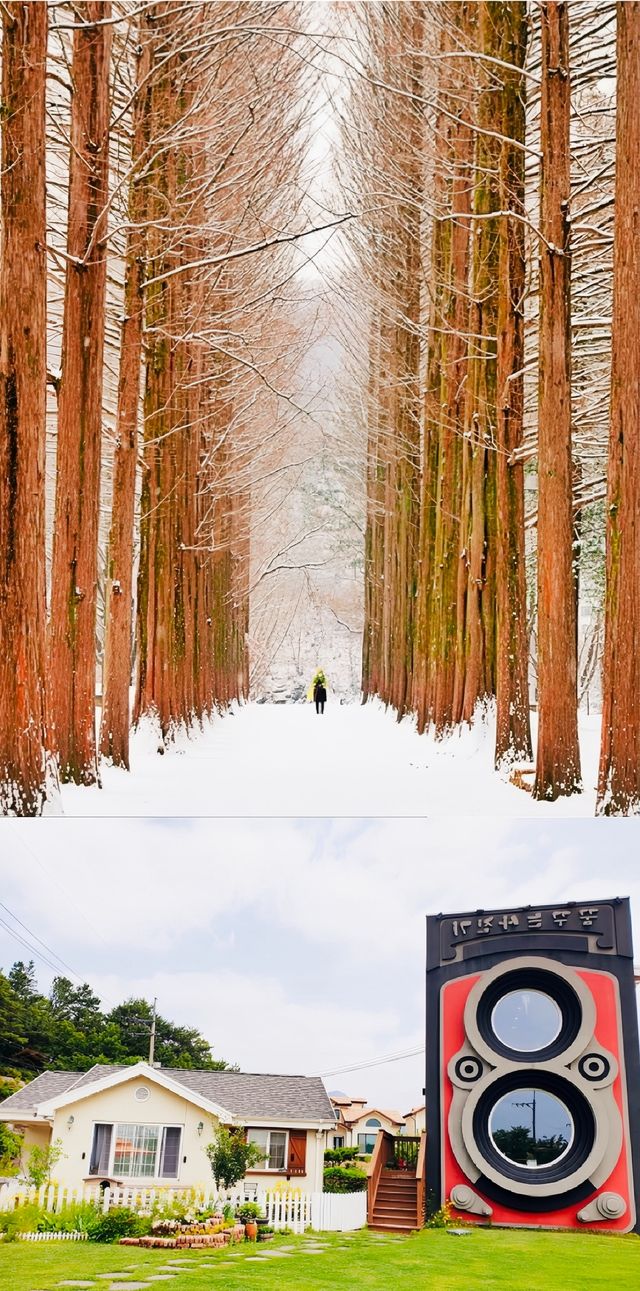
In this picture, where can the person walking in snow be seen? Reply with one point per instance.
(319, 691)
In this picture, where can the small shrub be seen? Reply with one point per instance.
(249, 1212)
(41, 1162)
(231, 1155)
(344, 1179)
(441, 1218)
(334, 1156)
(10, 1148)
(117, 1223)
(76, 1218)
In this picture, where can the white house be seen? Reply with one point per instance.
(357, 1125)
(416, 1120)
(149, 1126)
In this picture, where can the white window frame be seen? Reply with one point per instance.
(263, 1166)
(147, 1178)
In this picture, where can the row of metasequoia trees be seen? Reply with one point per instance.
(444, 131)
(180, 125)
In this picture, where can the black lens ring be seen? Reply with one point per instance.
(584, 1127)
(469, 1061)
(531, 979)
(583, 1066)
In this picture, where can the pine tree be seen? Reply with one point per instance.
(74, 574)
(28, 776)
(619, 776)
(558, 753)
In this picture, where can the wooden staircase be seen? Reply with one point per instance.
(395, 1205)
(396, 1184)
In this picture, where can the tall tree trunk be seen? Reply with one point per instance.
(513, 732)
(28, 775)
(72, 629)
(448, 607)
(480, 413)
(406, 396)
(156, 568)
(558, 753)
(115, 722)
(619, 777)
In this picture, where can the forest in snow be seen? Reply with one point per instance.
(320, 345)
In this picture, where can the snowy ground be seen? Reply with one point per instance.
(283, 760)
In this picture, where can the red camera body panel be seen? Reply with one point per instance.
(608, 1032)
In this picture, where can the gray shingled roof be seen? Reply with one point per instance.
(48, 1085)
(244, 1094)
(247, 1094)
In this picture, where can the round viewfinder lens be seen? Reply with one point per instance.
(526, 1020)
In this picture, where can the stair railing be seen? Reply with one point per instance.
(382, 1152)
(421, 1170)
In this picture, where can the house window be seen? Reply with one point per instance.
(274, 1145)
(101, 1149)
(136, 1151)
(338, 1140)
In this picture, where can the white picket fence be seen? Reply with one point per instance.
(53, 1237)
(338, 1212)
(294, 1209)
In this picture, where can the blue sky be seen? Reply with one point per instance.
(294, 945)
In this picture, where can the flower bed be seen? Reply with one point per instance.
(194, 1235)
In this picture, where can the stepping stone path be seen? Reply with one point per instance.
(76, 1284)
(133, 1286)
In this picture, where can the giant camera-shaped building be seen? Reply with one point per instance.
(533, 1070)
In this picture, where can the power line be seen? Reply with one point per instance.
(374, 1062)
(32, 951)
(38, 954)
(42, 943)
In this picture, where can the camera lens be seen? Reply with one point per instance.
(531, 1128)
(527, 1020)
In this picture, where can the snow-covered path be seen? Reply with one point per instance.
(283, 760)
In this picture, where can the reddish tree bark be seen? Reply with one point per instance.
(72, 629)
(115, 722)
(27, 772)
(513, 732)
(478, 545)
(619, 776)
(558, 753)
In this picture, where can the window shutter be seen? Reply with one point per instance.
(170, 1152)
(101, 1149)
(297, 1152)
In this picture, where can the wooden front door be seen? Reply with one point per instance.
(297, 1163)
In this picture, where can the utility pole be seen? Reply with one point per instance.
(152, 1035)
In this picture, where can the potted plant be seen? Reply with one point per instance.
(265, 1233)
(248, 1215)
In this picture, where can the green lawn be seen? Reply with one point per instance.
(433, 1260)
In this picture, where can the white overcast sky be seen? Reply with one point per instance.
(293, 945)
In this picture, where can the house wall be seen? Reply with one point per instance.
(119, 1104)
(314, 1162)
(162, 1107)
(417, 1122)
(360, 1126)
(33, 1136)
